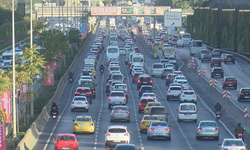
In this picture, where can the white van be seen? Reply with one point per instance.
(112, 53)
(186, 38)
(195, 46)
(137, 59)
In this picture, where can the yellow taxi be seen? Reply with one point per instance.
(149, 104)
(146, 120)
(84, 124)
(94, 73)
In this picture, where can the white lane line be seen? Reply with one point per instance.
(206, 106)
(132, 96)
(183, 134)
(59, 117)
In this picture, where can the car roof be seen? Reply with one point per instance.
(158, 107)
(117, 126)
(121, 144)
(83, 88)
(181, 104)
(146, 86)
(232, 139)
(83, 117)
(79, 97)
(63, 134)
(217, 67)
(208, 121)
(188, 91)
(116, 91)
(120, 106)
(144, 75)
(89, 80)
(150, 116)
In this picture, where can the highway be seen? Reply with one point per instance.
(183, 134)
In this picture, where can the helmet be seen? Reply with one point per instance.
(218, 103)
(54, 103)
(101, 64)
(239, 124)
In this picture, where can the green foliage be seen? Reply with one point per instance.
(6, 13)
(54, 44)
(243, 37)
(190, 24)
(205, 26)
(163, 3)
(213, 23)
(74, 36)
(20, 135)
(184, 4)
(228, 26)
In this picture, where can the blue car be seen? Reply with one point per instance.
(170, 78)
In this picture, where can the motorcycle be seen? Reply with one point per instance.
(101, 70)
(218, 114)
(70, 79)
(240, 136)
(54, 115)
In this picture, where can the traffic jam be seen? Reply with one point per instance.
(147, 95)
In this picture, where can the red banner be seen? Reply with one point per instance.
(2, 137)
(49, 81)
(55, 64)
(5, 100)
(104, 11)
(23, 93)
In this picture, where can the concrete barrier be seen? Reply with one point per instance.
(33, 133)
(231, 52)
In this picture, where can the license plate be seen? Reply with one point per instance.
(159, 134)
(176, 94)
(79, 103)
(117, 141)
(230, 84)
(117, 102)
(187, 114)
(83, 125)
(218, 74)
(145, 82)
(65, 148)
(246, 96)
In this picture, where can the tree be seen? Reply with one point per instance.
(74, 36)
(5, 84)
(163, 3)
(38, 26)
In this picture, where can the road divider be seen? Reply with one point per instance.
(32, 134)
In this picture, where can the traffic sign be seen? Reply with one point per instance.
(224, 93)
(127, 10)
(199, 72)
(215, 82)
(228, 94)
(245, 112)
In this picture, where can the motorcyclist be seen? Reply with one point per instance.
(238, 129)
(54, 108)
(218, 107)
(102, 66)
(71, 74)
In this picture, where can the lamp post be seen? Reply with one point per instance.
(13, 71)
(51, 3)
(31, 24)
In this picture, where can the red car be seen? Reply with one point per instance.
(66, 141)
(143, 103)
(229, 82)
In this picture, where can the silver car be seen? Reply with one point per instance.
(207, 129)
(80, 102)
(232, 144)
(120, 113)
(157, 69)
(188, 96)
(116, 98)
(159, 130)
(169, 67)
(160, 111)
(184, 84)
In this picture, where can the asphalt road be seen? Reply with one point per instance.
(183, 134)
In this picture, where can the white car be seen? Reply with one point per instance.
(157, 69)
(85, 77)
(116, 134)
(80, 102)
(136, 69)
(165, 45)
(178, 73)
(122, 51)
(184, 84)
(149, 95)
(188, 96)
(169, 67)
(179, 78)
(180, 43)
(233, 144)
(187, 112)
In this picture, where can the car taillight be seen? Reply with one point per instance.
(225, 57)
(140, 91)
(232, 57)
(91, 124)
(194, 95)
(179, 110)
(187, 84)
(75, 124)
(139, 81)
(109, 98)
(221, 71)
(235, 82)
(217, 129)
(143, 123)
(151, 129)
(139, 104)
(227, 149)
(150, 81)
(241, 93)
(126, 134)
(85, 102)
(107, 134)
(167, 77)
(93, 91)
(169, 90)
(88, 93)
(77, 92)
(127, 112)
(124, 98)
(195, 111)
(73, 102)
(168, 129)
(182, 95)
(199, 129)
(166, 117)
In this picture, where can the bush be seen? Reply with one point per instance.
(20, 135)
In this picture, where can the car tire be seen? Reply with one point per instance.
(212, 76)
(128, 121)
(167, 98)
(109, 106)
(111, 120)
(90, 102)
(141, 131)
(223, 87)
(239, 99)
(235, 87)
(169, 138)
(72, 109)
(225, 62)
(197, 138)
(148, 138)
(87, 110)
(195, 120)
(233, 62)
(217, 138)
(179, 120)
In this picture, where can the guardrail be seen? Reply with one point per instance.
(38, 125)
(231, 52)
(9, 47)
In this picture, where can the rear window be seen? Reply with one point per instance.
(172, 59)
(117, 130)
(120, 108)
(175, 88)
(216, 60)
(79, 99)
(154, 104)
(230, 79)
(125, 147)
(245, 90)
(189, 93)
(151, 118)
(146, 88)
(197, 44)
(146, 101)
(187, 107)
(66, 138)
(169, 65)
(87, 84)
(233, 142)
(157, 110)
(208, 124)
(157, 66)
(120, 87)
(115, 68)
(83, 119)
(117, 77)
(159, 124)
(83, 90)
(117, 94)
(182, 82)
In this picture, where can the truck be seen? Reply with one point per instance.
(112, 23)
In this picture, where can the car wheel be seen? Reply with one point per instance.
(74, 132)
(197, 138)
(87, 110)
(109, 106)
(211, 76)
(72, 109)
(225, 62)
(148, 138)
(217, 138)
(111, 120)
(107, 91)
(223, 87)
(235, 87)
(233, 62)
(169, 138)
(179, 120)
(195, 120)
(90, 102)
(167, 98)
(221, 76)
(141, 131)
(129, 120)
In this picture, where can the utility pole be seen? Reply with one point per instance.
(51, 3)
(31, 45)
(154, 28)
(13, 71)
(58, 3)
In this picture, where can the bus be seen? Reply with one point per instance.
(112, 53)
(137, 59)
(186, 38)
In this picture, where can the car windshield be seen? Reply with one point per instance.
(158, 110)
(159, 124)
(117, 94)
(150, 118)
(233, 143)
(245, 90)
(230, 79)
(187, 107)
(157, 66)
(169, 65)
(65, 138)
(208, 124)
(84, 119)
(117, 130)
(138, 59)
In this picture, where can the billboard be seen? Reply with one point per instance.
(49, 80)
(3, 137)
(129, 11)
(5, 99)
(172, 19)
